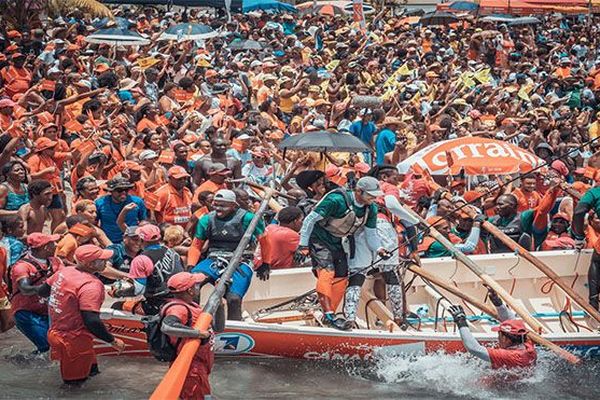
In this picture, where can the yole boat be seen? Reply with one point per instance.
(296, 333)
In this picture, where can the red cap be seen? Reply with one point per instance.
(560, 167)
(182, 281)
(512, 327)
(362, 167)
(177, 172)
(148, 232)
(38, 239)
(470, 195)
(210, 73)
(90, 252)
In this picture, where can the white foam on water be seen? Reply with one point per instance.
(460, 374)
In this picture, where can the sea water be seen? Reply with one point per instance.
(432, 376)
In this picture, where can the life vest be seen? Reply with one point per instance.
(346, 225)
(166, 264)
(225, 235)
(39, 277)
(513, 230)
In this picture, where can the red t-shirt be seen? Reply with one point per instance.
(283, 244)
(513, 358)
(23, 269)
(73, 291)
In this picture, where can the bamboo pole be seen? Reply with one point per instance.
(460, 256)
(172, 383)
(447, 286)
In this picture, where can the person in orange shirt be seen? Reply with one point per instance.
(267, 90)
(6, 113)
(43, 164)
(15, 77)
(564, 69)
(153, 174)
(283, 238)
(527, 195)
(217, 175)
(79, 234)
(174, 204)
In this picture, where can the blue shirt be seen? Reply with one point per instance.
(385, 142)
(108, 211)
(362, 131)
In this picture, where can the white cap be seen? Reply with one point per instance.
(369, 185)
(226, 195)
(147, 155)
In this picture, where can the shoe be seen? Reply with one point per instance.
(338, 323)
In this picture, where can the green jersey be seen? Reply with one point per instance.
(334, 205)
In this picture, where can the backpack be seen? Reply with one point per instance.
(158, 343)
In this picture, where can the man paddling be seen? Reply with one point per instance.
(338, 216)
(515, 350)
(223, 229)
(76, 296)
(179, 315)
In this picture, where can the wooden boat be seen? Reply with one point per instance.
(296, 333)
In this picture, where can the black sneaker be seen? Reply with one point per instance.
(337, 323)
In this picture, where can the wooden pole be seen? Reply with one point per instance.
(447, 286)
(172, 383)
(543, 267)
(460, 256)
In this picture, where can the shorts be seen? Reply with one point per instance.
(240, 280)
(56, 203)
(34, 327)
(324, 257)
(75, 353)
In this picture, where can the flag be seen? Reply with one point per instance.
(483, 76)
(332, 65)
(467, 80)
(202, 62)
(393, 79)
(358, 13)
(523, 93)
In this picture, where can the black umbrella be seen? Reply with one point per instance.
(438, 18)
(324, 141)
(240, 44)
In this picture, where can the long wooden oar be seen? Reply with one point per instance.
(171, 384)
(460, 256)
(449, 287)
(543, 267)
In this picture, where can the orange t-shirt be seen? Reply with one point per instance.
(38, 163)
(173, 207)
(527, 200)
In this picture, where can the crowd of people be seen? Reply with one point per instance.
(137, 165)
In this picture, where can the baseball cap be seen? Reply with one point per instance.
(226, 195)
(148, 155)
(81, 230)
(369, 185)
(149, 232)
(177, 172)
(90, 252)
(38, 239)
(562, 215)
(7, 103)
(131, 231)
(512, 327)
(182, 281)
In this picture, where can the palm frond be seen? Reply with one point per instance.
(92, 7)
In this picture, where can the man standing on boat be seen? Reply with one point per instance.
(327, 235)
(223, 229)
(515, 349)
(589, 201)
